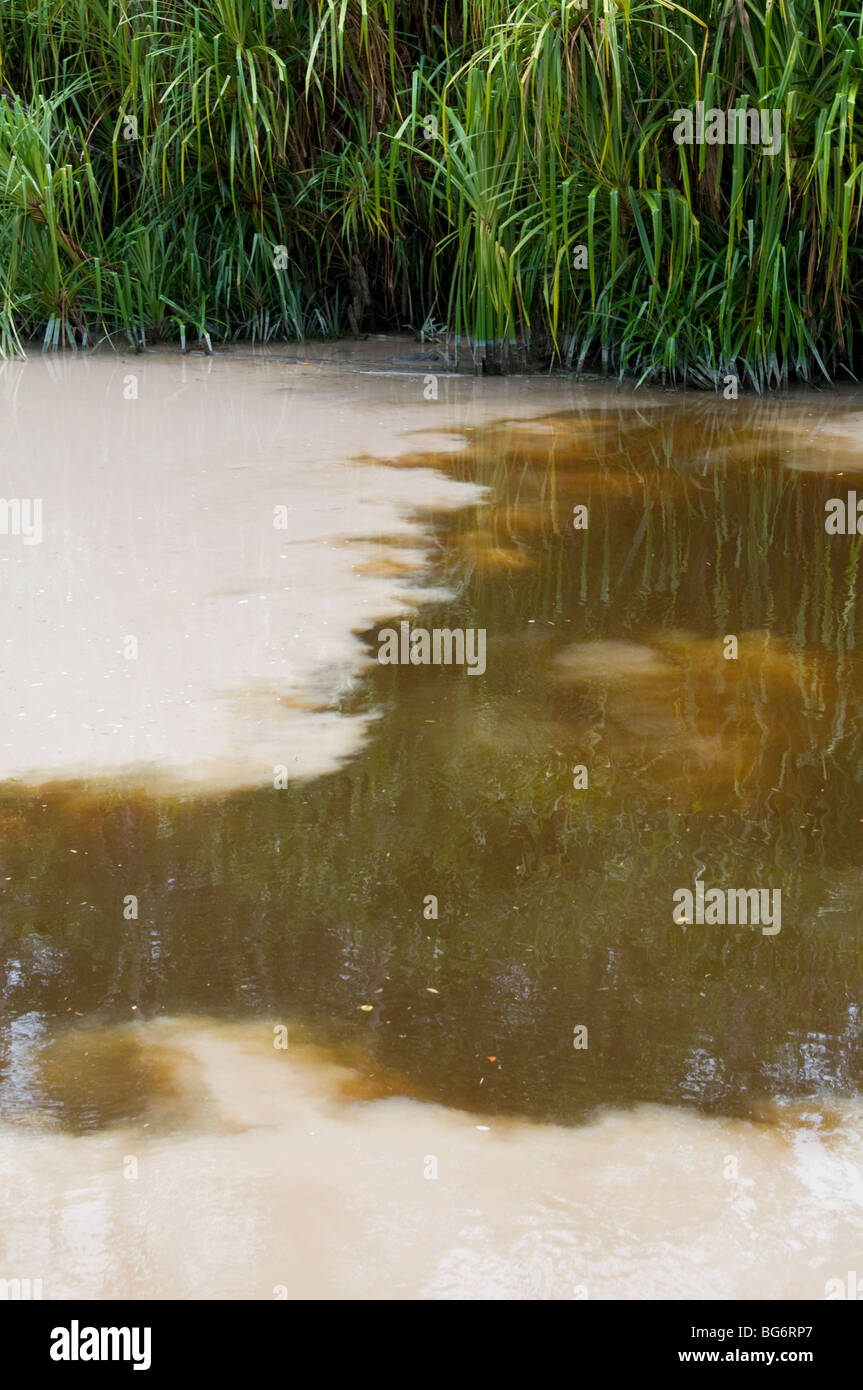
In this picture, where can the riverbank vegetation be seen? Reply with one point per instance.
(498, 171)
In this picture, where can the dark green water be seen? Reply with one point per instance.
(554, 904)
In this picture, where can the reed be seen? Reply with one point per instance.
(501, 174)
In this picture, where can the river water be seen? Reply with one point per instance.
(329, 978)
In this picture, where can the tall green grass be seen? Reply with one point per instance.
(233, 169)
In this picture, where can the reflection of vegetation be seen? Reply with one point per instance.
(555, 904)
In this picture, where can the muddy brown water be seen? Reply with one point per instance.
(707, 1139)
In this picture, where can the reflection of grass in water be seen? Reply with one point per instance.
(555, 905)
